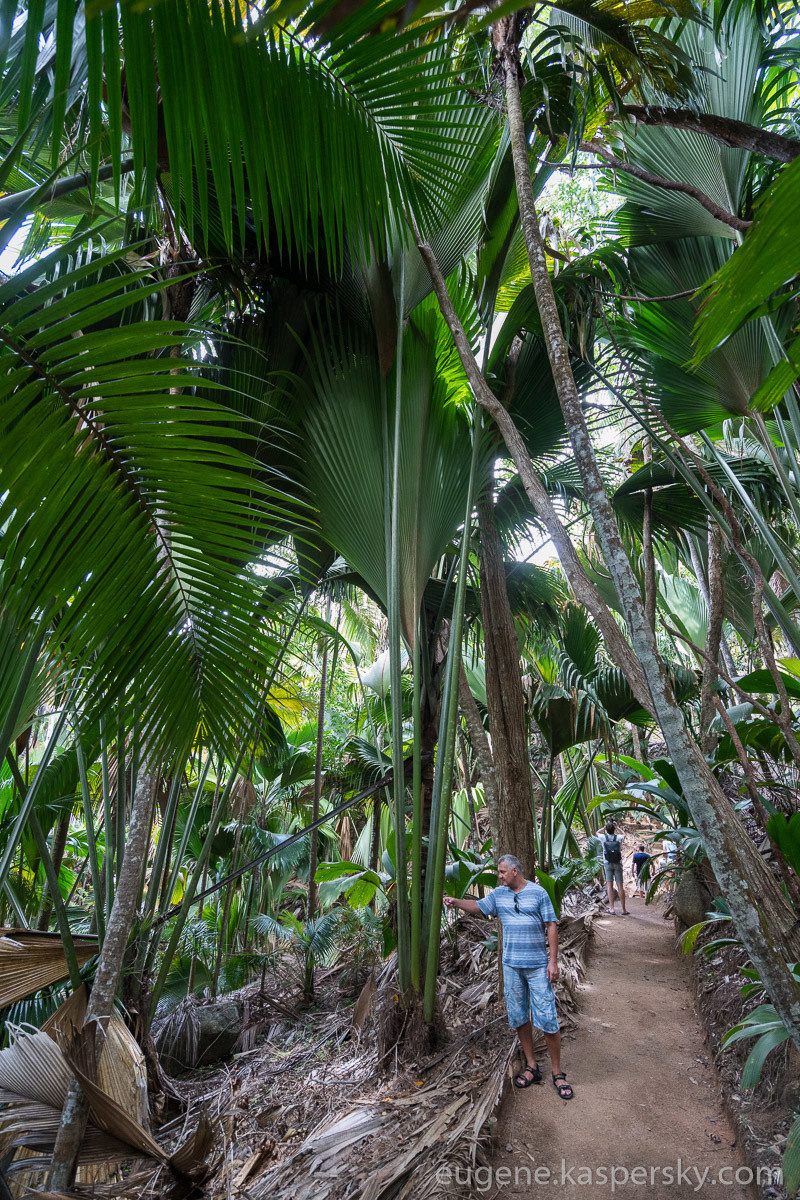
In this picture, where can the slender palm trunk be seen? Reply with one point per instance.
(474, 834)
(700, 576)
(226, 909)
(59, 846)
(753, 894)
(106, 981)
(483, 753)
(713, 638)
(311, 907)
(648, 551)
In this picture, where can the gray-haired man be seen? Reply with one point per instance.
(530, 964)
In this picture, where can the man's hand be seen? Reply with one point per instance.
(552, 971)
(450, 902)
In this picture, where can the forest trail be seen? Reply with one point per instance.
(646, 1091)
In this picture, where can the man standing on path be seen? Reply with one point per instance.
(530, 931)
(612, 863)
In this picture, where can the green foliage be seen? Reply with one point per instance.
(468, 870)
(768, 258)
(557, 882)
(165, 525)
(357, 884)
(313, 943)
(784, 830)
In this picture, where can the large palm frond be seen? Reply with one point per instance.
(123, 512)
(346, 460)
(305, 141)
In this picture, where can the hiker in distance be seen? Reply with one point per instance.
(530, 964)
(640, 860)
(612, 864)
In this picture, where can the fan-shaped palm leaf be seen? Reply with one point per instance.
(345, 448)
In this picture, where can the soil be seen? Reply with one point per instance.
(647, 1118)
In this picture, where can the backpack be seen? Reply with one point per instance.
(612, 849)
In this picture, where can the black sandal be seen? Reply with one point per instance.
(564, 1090)
(533, 1071)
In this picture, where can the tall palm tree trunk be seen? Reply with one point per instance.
(504, 699)
(59, 846)
(716, 598)
(483, 753)
(311, 907)
(755, 898)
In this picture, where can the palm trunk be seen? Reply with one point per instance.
(753, 894)
(375, 839)
(700, 576)
(311, 906)
(713, 639)
(59, 846)
(465, 765)
(648, 553)
(212, 823)
(106, 981)
(483, 753)
(504, 699)
(226, 910)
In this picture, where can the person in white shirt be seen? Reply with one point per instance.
(611, 842)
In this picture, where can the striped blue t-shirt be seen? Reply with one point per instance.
(524, 942)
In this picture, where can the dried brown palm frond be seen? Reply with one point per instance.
(243, 798)
(122, 1072)
(34, 1077)
(30, 960)
(178, 1038)
(344, 837)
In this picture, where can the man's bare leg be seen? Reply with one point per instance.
(525, 1035)
(553, 1041)
(610, 891)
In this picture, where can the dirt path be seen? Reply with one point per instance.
(646, 1092)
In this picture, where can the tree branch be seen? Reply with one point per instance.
(668, 185)
(737, 134)
(584, 590)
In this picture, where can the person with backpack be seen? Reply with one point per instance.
(612, 863)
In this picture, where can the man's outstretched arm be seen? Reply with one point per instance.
(467, 905)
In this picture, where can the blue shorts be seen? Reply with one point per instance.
(528, 990)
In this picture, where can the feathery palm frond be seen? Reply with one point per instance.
(150, 522)
(182, 81)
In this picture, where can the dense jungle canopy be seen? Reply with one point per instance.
(399, 436)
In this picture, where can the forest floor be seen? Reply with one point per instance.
(647, 1118)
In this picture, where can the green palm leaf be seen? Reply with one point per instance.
(123, 510)
(260, 123)
(345, 449)
(768, 258)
